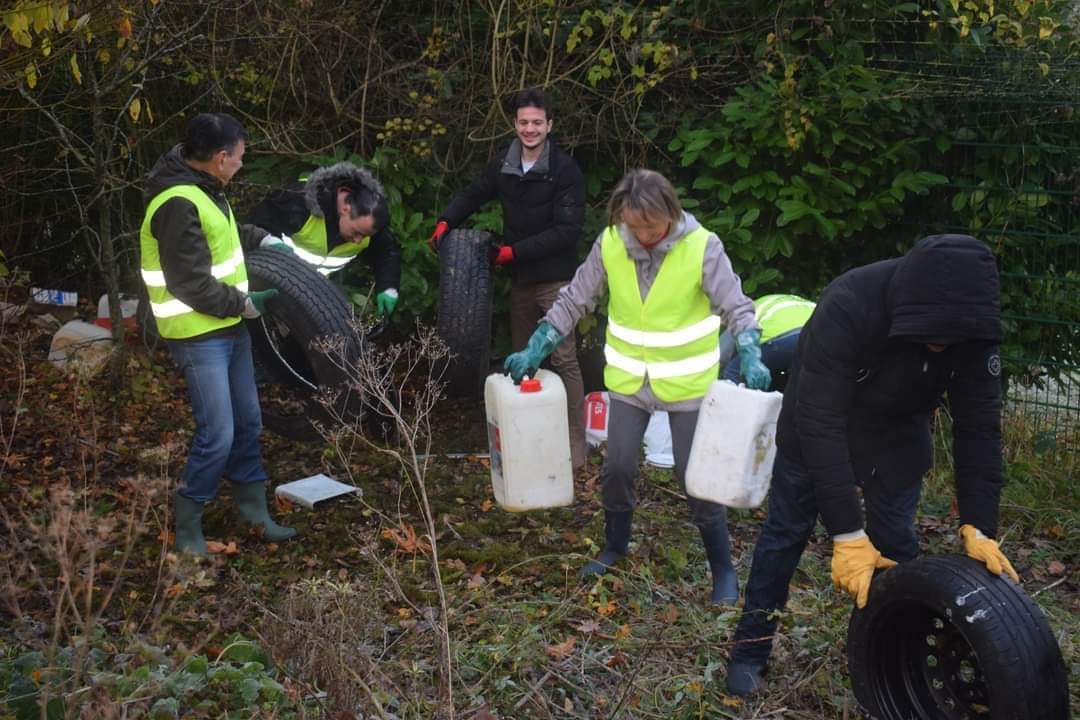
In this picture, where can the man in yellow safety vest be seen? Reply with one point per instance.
(193, 267)
(781, 318)
(671, 287)
(331, 216)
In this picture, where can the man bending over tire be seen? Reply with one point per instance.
(330, 217)
(886, 342)
(193, 268)
(542, 192)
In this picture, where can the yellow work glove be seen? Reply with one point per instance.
(853, 565)
(986, 550)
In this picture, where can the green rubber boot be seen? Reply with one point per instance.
(188, 519)
(250, 501)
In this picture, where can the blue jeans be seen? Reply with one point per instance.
(225, 403)
(776, 355)
(890, 504)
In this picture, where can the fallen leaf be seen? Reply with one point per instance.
(215, 548)
(485, 714)
(732, 702)
(562, 650)
(406, 540)
(455, 564)
(588, 626)
(619, 658)
(671, 614)
(1056, 567)
(475, 582)
(283, 504)
(606, 608)
(623, 632)
(570, 537)
(568, 705)
(486, 505)
(174, 590)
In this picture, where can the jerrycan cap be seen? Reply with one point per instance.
(530, 385)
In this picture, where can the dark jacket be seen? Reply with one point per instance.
(543, 211)
(863, 384)
(285, 211)
(185, 256)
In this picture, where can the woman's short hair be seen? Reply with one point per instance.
(647, 192)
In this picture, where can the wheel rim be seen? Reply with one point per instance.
(925, 668)
(289, 355)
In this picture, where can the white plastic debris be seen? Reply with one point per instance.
(80, 347)
(313, 489)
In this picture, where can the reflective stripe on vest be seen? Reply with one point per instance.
(309, 244)
(780, 314)
(175, 319)
(672, 337)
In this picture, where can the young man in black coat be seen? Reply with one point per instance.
(542, 192)
(885, 344)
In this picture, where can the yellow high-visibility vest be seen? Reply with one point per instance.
(672, 336)
(175, 319)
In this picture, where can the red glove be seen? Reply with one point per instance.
(441, 229)
(506, 255)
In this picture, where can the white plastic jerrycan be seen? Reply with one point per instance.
(529, 441)
(734, 446)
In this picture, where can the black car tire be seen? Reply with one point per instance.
(307, 308)
(941, 637)
(466, 292)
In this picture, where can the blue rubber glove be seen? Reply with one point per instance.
(386, 301)
(748, 345)
(525, 363)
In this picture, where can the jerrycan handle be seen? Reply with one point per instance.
(530, 385)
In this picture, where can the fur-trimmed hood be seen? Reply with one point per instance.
(328, 179)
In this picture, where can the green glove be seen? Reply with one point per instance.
(748, 345)
(525, 363)
(386, 301)
(271, 242)
(256, 302)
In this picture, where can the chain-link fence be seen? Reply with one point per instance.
(1009, 144)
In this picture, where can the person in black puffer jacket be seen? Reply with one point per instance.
(885, 344)
(331, 216)
(542, 192)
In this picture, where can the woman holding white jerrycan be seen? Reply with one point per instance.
(671, 288)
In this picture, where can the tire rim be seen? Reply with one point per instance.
(927, 669)
(283, 344)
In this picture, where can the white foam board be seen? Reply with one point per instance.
(311, 490)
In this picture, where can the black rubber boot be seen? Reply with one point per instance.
(250, 501)
(617, 541)
(188, 520)
(725, 581)
(744, 677)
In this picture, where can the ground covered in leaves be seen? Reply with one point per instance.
(348, 621)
